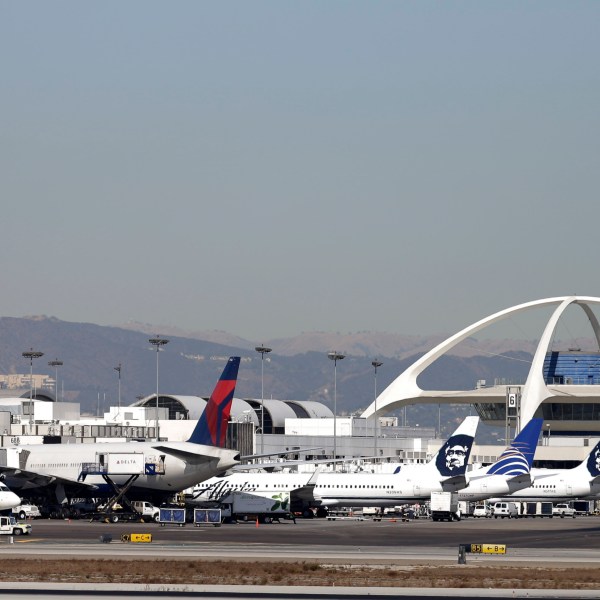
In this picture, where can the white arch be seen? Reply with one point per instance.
(404, 388)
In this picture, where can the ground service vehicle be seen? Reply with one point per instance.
(242, 506)
(583, 507)
(563, 510)
(10, 526)
(444, 506)
(505, 509)
(27, 511)
(207, 516)
(534, 509)
(465, 508)
(172, 515)
(146, 509)
(482, 511)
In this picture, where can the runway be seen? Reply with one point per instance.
(419, 542)
(530, 542)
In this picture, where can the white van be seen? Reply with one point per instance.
(505, 509)
(482, 511)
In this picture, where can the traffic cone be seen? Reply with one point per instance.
(257, 521)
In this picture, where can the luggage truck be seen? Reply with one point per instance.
(444, 506)
(243, 506)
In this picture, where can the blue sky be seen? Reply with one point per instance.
(268, 168)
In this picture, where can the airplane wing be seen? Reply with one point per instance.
(31, 479)
(295, 451)
(272, 466)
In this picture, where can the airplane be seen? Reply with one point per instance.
(148, 470)
(8, 499)
(564, 484)
(306, 489)
(446, 471)
(417, 482)
(510, 473)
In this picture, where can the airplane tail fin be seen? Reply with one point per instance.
(453, 457)
(518, 457)
(211, 429)
(591, 464)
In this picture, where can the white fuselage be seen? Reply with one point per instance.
(558, 484)
(8, 499)
(215, 488)
(159, 466)
(482, 486)
(414, 483)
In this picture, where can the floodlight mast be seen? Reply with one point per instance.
(262, 350)
(55, 363)
(31, 354)
(376, 364)
(158, 342)
(335, 356)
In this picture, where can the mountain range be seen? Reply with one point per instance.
(297, 368)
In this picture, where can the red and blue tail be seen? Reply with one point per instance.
(211, 429)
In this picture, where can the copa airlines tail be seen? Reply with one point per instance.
(211, 429)
(510, 473)
(518, 457)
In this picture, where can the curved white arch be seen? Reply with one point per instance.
(405, 388)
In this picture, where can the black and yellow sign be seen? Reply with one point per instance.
(143, 538)
(486, 548)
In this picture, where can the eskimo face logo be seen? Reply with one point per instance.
(454, 454)
(593, 462)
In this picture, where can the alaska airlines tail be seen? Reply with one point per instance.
(518, 457)
(591, 464)
(211, 429)
(452, 458)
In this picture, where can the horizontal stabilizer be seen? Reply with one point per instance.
(524, 478)
(454, 483)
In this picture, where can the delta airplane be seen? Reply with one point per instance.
(154, 470)
(564, 484)
(410, 482)
(8, 499)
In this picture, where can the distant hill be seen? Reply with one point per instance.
(297, 368)
(365, 343)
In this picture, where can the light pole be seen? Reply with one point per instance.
(158, 342)
(263, 350)
(118, 370)
(31, 354)
(376, 363)
(55, 363)
(335, 356)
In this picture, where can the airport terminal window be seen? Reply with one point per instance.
(577, 411)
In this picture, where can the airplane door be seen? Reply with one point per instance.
(417, 490)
